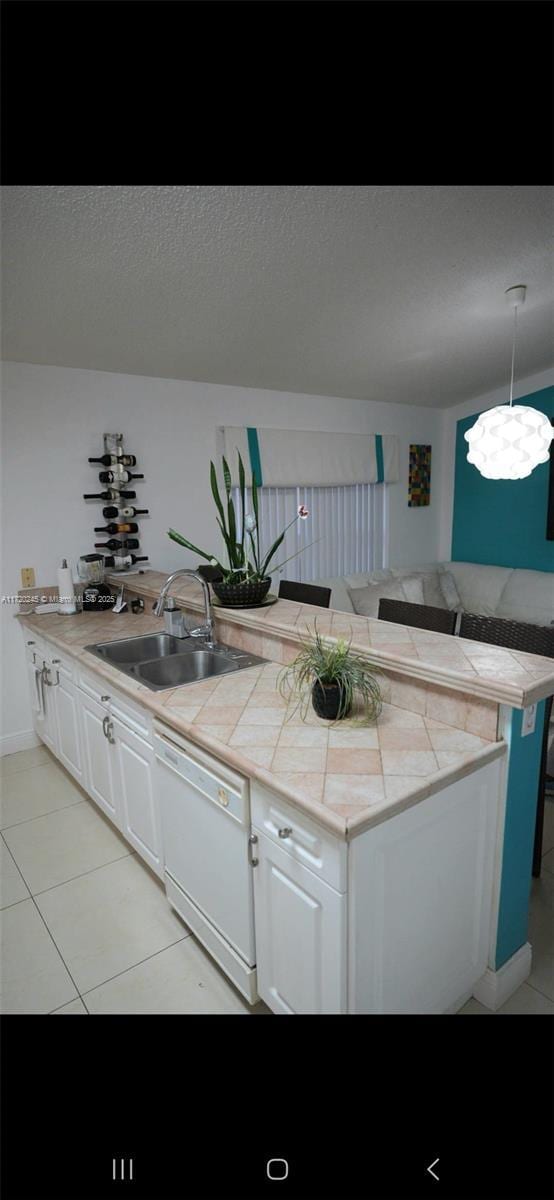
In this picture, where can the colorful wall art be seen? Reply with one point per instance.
(419, 487)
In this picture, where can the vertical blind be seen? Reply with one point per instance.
(348, 525)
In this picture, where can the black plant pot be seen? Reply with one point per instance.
(253, 591)
(326, 699)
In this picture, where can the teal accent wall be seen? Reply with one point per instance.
(519, 834)
(379, 457)
(497, 521)
(254, 450)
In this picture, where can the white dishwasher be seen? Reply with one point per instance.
(205, 813)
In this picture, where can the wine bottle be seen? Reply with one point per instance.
(130, 527)
(113, 544)
(124, 560)
(112, 460)
(116, 476)
(110, 495)
(123, 513)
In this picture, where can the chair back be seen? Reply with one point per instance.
(514, 635)
(421, 616)
(304, 593)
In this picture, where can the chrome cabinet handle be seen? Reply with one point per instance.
(252, 841)
(107, 726)
(285, 832)
(44, 675)
(31, 643)
(105, 698)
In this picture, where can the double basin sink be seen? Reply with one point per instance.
(160, 660)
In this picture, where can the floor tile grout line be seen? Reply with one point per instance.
(38, 816)
(539, 990)
(19, 871)
(81, 875)
(55, 944)
(126, 970)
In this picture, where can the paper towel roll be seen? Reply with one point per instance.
(66, 590)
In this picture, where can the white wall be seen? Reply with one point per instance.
(450, 417)
(53, 419)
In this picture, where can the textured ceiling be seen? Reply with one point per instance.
(382, 293)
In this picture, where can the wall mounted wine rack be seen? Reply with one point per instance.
(121, 509)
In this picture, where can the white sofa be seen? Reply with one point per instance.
(516, 594)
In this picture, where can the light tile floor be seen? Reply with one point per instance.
(86, 927)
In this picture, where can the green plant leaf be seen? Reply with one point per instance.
(178, 537)
(242, 486)
(269, 556)
(215, 494)
(256, 515)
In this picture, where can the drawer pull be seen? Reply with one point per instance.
(31, 643)
(285, 832)
(104, 699)
(253, 841)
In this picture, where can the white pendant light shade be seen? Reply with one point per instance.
(509, 441)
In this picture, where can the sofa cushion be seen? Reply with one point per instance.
(365, 600)
(528, 596)
(412, 586)
(480, 587)
(450, 591)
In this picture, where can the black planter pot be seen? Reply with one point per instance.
(326, 700)
(253, 591)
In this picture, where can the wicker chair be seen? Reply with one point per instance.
(421, 616)
(532, 639)
(304, 593)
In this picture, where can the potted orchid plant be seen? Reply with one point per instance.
(246, 578)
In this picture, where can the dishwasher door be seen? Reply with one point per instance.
(206, 825)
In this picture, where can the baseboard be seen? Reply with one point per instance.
(11, 743)
(495, 987)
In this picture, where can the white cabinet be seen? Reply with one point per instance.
(100, 762)
(138, 808)
(300, 935)
(66, 698)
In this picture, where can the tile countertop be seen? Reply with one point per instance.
(477, 668)
(347, 776)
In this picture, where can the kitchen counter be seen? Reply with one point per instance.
(490, 672)
(348, 776)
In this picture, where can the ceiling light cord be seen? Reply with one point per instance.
(513, 355)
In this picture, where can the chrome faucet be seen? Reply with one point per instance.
(174, 619)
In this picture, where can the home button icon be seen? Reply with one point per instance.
(277, 1168)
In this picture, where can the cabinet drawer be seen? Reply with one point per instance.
(100, 690)
(34, 650)
(307, 843)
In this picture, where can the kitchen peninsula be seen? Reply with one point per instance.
(386, 892)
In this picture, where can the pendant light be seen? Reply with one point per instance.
(509, 441)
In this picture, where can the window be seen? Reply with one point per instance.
(347, 524)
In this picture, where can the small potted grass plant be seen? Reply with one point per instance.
(246, 579)
(332, 675)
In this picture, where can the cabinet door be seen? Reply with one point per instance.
(65, 695)
(300, 935)
(99, 757)
(140, 821)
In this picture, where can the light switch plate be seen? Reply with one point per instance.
(528, 721)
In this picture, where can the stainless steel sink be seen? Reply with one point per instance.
(185, 668)
(161, 661)
(140, 649)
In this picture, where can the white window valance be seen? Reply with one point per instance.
(288, 457)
